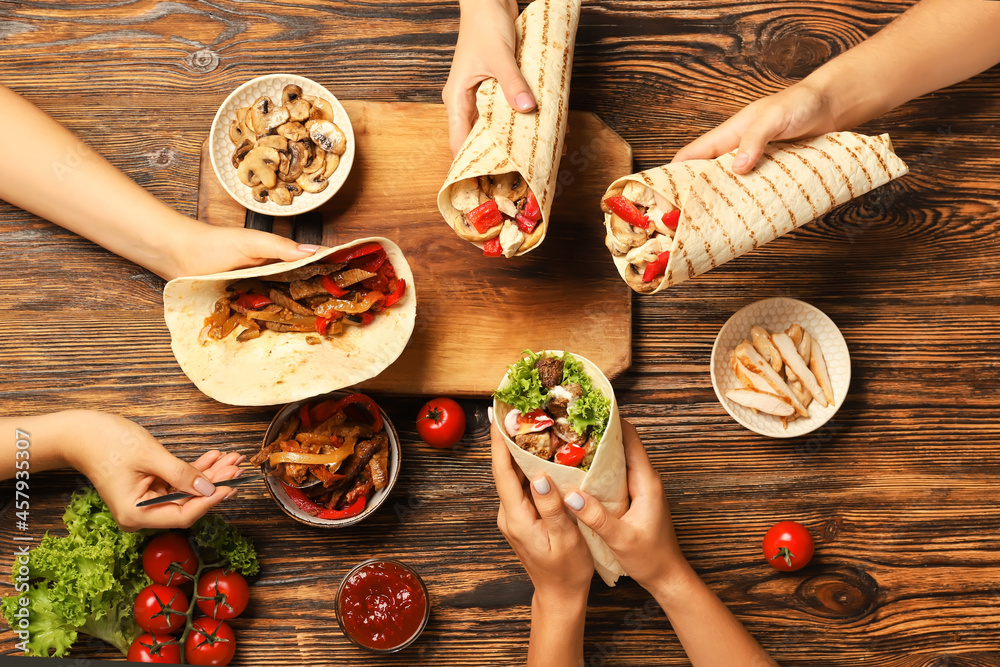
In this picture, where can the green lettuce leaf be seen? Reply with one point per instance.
(525, 390)
(593, 408)
(220, 541)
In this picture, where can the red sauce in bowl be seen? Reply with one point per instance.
(382, 605)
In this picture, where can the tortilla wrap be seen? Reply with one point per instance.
(282, 367)
(605, 480)
(724, 215)
(503, 140)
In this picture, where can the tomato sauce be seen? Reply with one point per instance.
(382, 605)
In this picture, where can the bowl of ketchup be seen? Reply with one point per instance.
(382, 605)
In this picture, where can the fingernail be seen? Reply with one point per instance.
(741, 160)
(541, 486)
(243, 457)
(204, 487)
(239, 473)
(231, 494)
(575, 501)
(308, 247)
(489, 414)
(524, 101)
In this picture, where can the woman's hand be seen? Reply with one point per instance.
(485, 50)
(643, 539)
(801, 110)
(128, 465)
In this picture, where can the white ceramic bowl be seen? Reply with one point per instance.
(778, 314)
(221, 146)
(277, 489)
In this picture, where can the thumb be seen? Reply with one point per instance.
(264, 246)
(766, 127)
(514, 87)
(180, 474)
(592, 514)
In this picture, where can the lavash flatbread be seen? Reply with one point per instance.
(503, 140)
(606, 480)
(724, 215)
(282, 367)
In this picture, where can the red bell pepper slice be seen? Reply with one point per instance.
(531, 209)
(627, 211)
(353, 509)
(525, 224)
(366, 318)
(492, 248)
(485, 216)
(670, 219)
(371, 262)
(307, 423)
(322, 324)
(323, 411)
(570, 455)
(301, 500)
(251, 301)
(397, 294)
(347, 254)
(332, 287)
(656, 268)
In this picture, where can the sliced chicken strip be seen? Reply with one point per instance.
(750, 380)
(755, 363)
(762, 341)
(761, 401)
(791, 357)
(817, 364)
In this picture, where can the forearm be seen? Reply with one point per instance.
(45, 438)
(709, 632)
(557, 630)
(53, 174)
(933, 45)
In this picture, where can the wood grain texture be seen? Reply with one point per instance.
(464, 299)
(900, 490)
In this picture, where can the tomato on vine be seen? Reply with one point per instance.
(160, 609)
(225, 594)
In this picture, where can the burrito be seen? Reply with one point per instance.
(499, 190)
(675, 222)
(284, 332)
(558, 416)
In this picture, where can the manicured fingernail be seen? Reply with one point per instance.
(204, 487)
(231, 494)
(308, 247)
(489, 414)
(541, 486)
(239, 473)
(741, 160)
(575, 501)
(243, 457)
(524, 101)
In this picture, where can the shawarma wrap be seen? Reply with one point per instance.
(352, 323)
(499, 189)
(574, 437)
(675, 222)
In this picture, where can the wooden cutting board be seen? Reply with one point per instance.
(474, 314)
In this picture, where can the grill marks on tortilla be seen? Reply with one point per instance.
(469, 143)
(696, 228)
(567, 52)
(541, 90)
(791, 177)
(810, 167)
(774, 189)
(836, 165)
(861, 164)
(875, 153)
(736, 211)
(747, 193)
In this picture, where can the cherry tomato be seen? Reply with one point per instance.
(210, 642)
(160, 555)
(155, 648)
(441, 423)
(228, 594)
(788, 546)
(161, 609)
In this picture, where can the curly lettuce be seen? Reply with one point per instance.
(525, 390)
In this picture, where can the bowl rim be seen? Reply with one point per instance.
(218, 125)
(274, 485)
(724, 401)
(427, 605)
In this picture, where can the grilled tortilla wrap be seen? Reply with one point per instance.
(503, 140)
(605, 480)
(282, 367)
(724, 215)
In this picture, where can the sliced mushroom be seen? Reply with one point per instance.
(260, 193)
(466, 195)
(317, 162)
(291, 168)
(791, 357)
(321, 110)
(241, 152)
(290, 93)
(617, 249)
(298, 110)
(264, 118)
(817, 364)
(332, 162)
(281, 196)
(293, 189)
(755, 363)
(626, 233)
(274, 141)
(313, 182)
(510, 185)
(327, 136)
(236, 132)
(259, 166)
(758, 400)
(293, 131)
(633, 276)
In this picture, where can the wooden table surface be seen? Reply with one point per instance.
(899, 490)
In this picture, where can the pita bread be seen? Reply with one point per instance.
(606, 480)
(503, 140)
(724, 215)
(282, 367)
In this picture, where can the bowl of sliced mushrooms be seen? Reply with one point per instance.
(781, 367)
(282, 144)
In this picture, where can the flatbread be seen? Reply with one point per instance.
(503, 140)
(724, 215)
(282, 367)
(606, 480)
